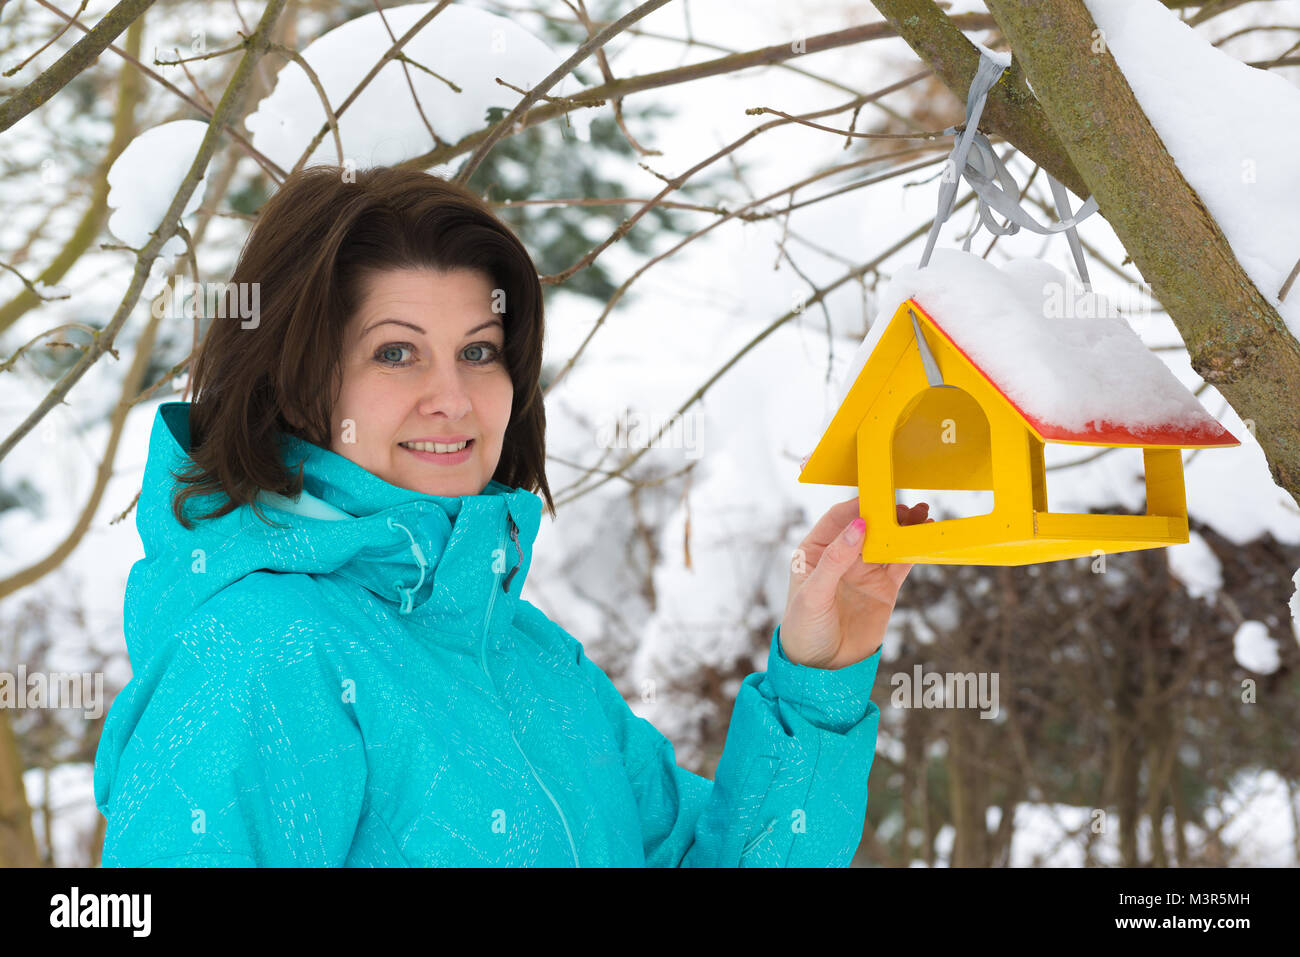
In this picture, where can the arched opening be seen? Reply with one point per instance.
(942, 455)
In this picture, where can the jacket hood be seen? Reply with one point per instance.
(435, 558)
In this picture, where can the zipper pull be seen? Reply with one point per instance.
(514, 534)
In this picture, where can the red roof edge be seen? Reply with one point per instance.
(1208, 434)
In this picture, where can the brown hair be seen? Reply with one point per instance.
(310, 250)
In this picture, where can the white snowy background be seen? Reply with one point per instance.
(689, 315)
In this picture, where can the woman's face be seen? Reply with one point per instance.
(424, 361)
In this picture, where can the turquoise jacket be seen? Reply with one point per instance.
(366, 687)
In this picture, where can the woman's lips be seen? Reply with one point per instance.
(443, 458)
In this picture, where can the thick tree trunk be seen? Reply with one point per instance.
(17, 840)
(1180, 817)
(1235, 339)
(958, 793)
(966, 795)
(1127, 801)
(916, 764)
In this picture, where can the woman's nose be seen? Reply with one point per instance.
(443, 391)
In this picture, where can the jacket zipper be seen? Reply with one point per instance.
(514, 534)
(487, 622)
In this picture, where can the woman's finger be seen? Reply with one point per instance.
(840, 555)
(831, 524)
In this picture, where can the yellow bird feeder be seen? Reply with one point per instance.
(963, 395)
(895, 429)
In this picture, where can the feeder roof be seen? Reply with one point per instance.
(1030, 330)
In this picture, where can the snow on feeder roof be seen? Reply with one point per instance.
(1032, 332)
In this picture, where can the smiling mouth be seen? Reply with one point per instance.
(438, 448)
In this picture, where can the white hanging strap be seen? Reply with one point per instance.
(1072, 235)
(1006, 200)
(986, 75)
(995, 190)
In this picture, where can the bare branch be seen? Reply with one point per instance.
(763, 56)
(420, 66)
(1011, 109)
(201, 56)
(677, 181)
(561, 71)
(820, 294)
(850, 134)
(330, 117)
(90, 330)
(265, 162)
(117, 422)
(227, 111)
(872, 31)
(28, 283)
(1290, 279)
(608, 74)
(82, 55)
(742, 214)
(46, 45)
(406, 72)
(365, 80)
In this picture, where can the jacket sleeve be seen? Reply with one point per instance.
(790, 788)
(238, 750)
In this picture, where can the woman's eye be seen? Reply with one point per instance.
(391, 349)
(492, 352)
(481, 353)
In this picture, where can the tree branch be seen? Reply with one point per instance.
(508, 121)
(392, 53)
(274, 171)
(731, 63)
(1010, 110)
(225, 112)
(577, 489)
(128, 96)
(82, 54)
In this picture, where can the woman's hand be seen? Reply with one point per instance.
(838, 604)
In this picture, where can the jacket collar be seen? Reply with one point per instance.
(446, 562)
(440, 558)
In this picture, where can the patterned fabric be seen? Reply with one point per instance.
(365, 687)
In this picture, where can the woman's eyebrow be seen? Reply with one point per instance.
(410, 325)
(484, 325)
(396, 322)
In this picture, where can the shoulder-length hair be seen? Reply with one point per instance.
(309, 252)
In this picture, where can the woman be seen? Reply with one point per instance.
(333, 664)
